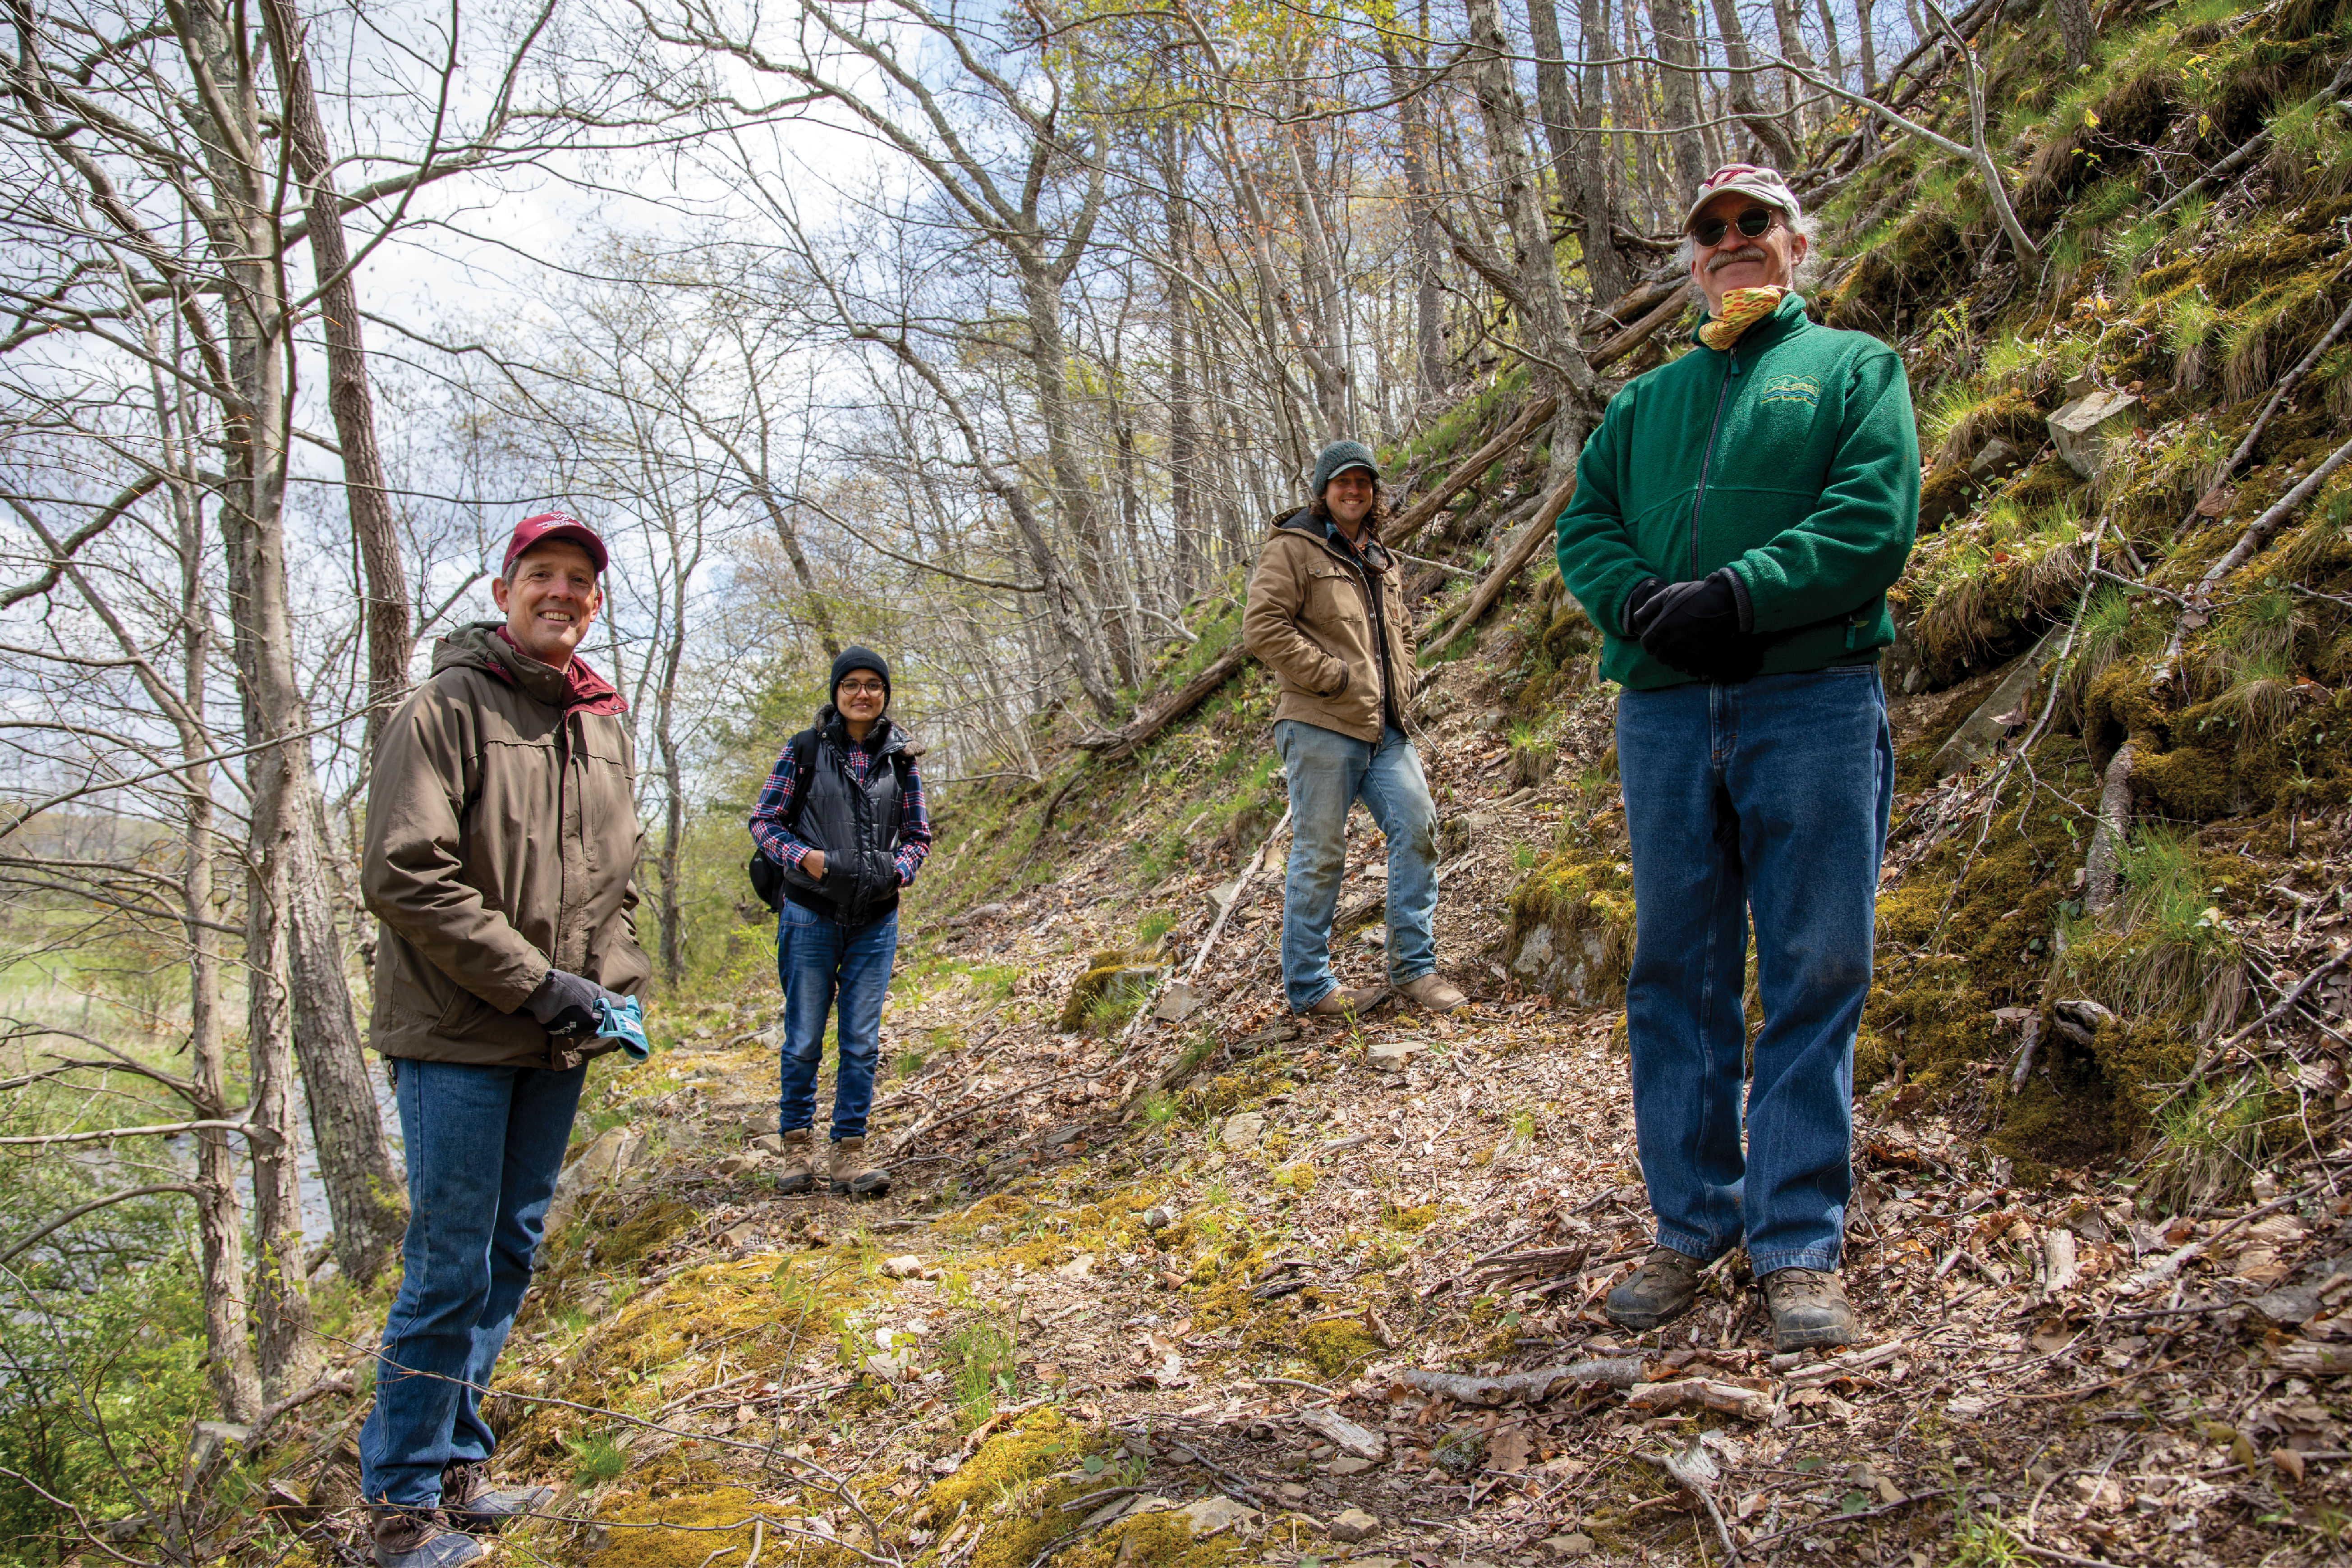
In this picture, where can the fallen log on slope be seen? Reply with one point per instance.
(1522, 550)
(1156, 714)
(1466, 473)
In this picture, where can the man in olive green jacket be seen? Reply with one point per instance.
(1327, 615)
(501, 839)
(1738, 518)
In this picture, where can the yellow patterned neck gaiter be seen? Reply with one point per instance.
(1742, 309)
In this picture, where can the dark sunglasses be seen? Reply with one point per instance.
(1753, 223)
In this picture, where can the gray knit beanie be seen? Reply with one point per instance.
(1338, 458)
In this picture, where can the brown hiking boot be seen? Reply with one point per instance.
(473, 1503)
(1809, 1309)
(1660, 1291)
(420, 1538)
(799, 1173)
(1341, 1002)
(853, 1173)
(1434, 994)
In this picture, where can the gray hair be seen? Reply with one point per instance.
(1803, 224)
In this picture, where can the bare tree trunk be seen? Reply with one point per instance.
(1182, 437)
(1829, 38)
(354, 1160)
(1414, 145)
(1560, 367)
(1787, 18)
(1606, 271)
(1670, 21)
(1769, 132)
(1867, 42)
(2074, 30)
(367, 492)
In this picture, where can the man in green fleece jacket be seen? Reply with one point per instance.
(1738, 518)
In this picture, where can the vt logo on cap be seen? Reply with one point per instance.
(549, 525)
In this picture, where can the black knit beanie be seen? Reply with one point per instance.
(856, 658)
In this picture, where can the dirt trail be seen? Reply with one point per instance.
(1205, 1262)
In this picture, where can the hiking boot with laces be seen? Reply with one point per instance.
(799, 1173)
(422, 1538)
(853, 1173)
(1341, 1002)
(1434, 994)
(1809, 1309)
(1659, 1292)
(472, 1503)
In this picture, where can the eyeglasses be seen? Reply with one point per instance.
(1754, 223)
(863, 688)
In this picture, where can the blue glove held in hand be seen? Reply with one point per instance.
(621, 1019)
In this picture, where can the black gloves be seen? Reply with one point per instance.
(565, 1003)
(1694, 627)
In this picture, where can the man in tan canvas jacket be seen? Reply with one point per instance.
(1327, 615)
(501, 838)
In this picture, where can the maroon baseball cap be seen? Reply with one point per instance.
(549, 525)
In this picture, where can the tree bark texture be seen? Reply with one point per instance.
(1677, 40)
(1560, 367)
(1769, 132)
(367, 492)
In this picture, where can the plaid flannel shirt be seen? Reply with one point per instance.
(775, 803)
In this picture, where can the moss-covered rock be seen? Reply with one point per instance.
(1572, 925)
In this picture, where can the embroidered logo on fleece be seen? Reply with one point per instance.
(1792, 388)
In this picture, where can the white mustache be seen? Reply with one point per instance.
(1746, 252)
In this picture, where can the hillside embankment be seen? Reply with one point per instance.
(1170, 1277)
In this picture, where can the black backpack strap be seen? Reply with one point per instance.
(803, 750)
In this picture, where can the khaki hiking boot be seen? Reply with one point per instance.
(799, 1173)
(853, 1173)
(420, 1538)
(1429, 991)
(1659, 1292)
(472, 1503)
(1341, 1002)
(1809, 1309)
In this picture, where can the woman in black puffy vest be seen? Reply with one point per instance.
(843, 816)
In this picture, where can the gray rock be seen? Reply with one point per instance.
(1244, 1130)
(1210, 1514)
(2084, 429)
(1571, 1545)
(1391, 1055)
(769, 1144)
(2287, 1306)
(1178, 1002)
(1998, 458)
(1353, 1525)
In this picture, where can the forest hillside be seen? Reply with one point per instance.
(1169, 1276)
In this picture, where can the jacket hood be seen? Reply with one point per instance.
(1304, 521)
(477, 645)
(483, 646)
(1789, 316)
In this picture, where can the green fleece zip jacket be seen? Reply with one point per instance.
(1790, 457)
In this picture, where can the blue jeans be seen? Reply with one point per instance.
(820, 964)
(1771, 796)
(484, 1145)
(1329, 772)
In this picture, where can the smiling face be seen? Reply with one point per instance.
(550, 596)
(1736, 261)
(1349, 497)
(860, 699)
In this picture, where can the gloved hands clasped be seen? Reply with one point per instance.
(565, 1003)
(1694, 627)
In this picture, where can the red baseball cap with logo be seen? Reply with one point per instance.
(549, 525)
(1749, 178)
